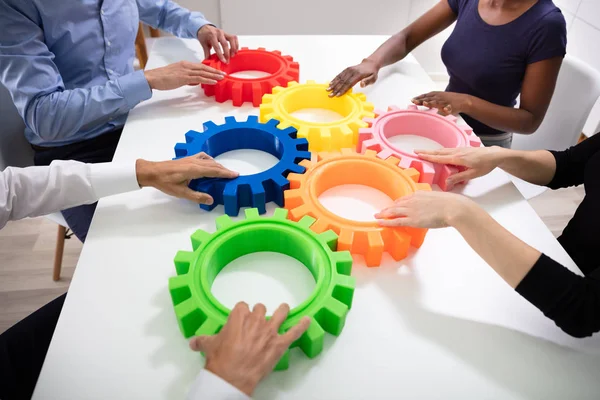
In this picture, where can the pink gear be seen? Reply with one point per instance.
(412, 121)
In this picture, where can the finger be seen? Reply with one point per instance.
(237, 317)
(206, 75)
(206, 49)
(201, 343)
(197, 80)
(214, 171)
(343, 82)
(279, 316)
(441, 159)
(214, 42)
(438, 152)
(197, 197)
(235, 44)
(202, 156)
(295, 332)
(259, 311)
(391, 212)
(199, 68)
(347, 84)
(462, 176)
(225, 46)
(368, 80)
(395, 222)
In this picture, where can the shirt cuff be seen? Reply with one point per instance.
(113, 178)
(135, 88)
(210, 386)
(195, 23)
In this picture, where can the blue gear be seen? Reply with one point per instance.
(246, 190)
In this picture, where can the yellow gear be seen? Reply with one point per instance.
(321, 136)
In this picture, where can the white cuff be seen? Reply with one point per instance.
(113, 178)
(210, 386)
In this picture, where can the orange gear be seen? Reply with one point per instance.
(348, 167)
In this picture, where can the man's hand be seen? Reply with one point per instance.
(173, 177)
(182, 73)
(224, 44)
(248, 347)
(447, 103)
(365, 73)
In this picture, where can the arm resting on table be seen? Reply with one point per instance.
(34, 191)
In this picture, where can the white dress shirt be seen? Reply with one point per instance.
(34, 191)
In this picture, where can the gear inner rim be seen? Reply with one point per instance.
(253, 60)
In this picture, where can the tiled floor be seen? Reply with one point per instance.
(27, 252)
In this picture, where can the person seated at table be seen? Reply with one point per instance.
(69, 69)
(34, 191)
(497, 50)
(570, 300)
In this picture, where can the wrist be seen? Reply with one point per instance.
(467, 104)
(374, 61)
(144, 171)
(149, 78)
(245, 383)
(457, 212)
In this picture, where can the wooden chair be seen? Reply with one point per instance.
(141, 50)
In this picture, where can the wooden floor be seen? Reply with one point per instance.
(27, 252)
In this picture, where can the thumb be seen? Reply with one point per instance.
(369, 80)
(206, 49)
(196, 197)
(200, 343)
(461, 176)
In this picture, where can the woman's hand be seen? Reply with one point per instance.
(425, 209)
(365, 73)
(479, 161)
(447, 103)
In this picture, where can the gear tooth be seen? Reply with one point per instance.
(280, 213)
(370, 153)
(292, 83)
(391, 160)
(295, 180)
(445, 172)
(332, 316)
(345, 239)
(296, 169)
(370, 121)
(251, 213)
(237, 94)
(344, 289)
(276, 89)
(379, 112)
(413, 174)
(261, 49)
(276, 52)
(291, 131)
(306, 221)
(329, 238)
(259, 196)
(398, 243)
(303, 132)
(189, 316)
(432, 111)
(393, 108)
(417, 236)
(207, 126)
(474, 141)
(321, 139)
(424, 186)
(181, 150)
(311, 82)
(209, 327)
(370, 144)
(182, 261)
(244, 48)
(293, 199)
(307, 163)
(180, 289)
(321, 225)
(231, 201)
(347, 152)
(369, 107)
(343, 262)
(272, 123)
(405, 163)
(412, 107)
(223, 221)
(311, 342)
(385, 153)
(284, 361)
(325, 155)
(375, 246)
(199, 237)
(230, 120)
(451, 118)
(284, 124)
(257, 93)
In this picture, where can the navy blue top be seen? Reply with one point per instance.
(489, 61)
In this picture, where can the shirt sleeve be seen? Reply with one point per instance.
(571, 163)
(549, 39)
(167, 15)
(34, 191)
(210, 386)
(570, 300)
(456, 5)
(28, 71)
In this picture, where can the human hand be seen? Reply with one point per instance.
(182, 73)
(478, 161)
(248, 347)
(173, 177)
(447, 103)
(425, 209)
(224, 44)
(365, 73)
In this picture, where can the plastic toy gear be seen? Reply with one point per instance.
(282, 69)
(412, 121)
(200, 313)
(322, 136)
(348, 167)
(246, 190)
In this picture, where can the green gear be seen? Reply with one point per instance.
(200, 313)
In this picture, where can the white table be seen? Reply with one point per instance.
(440, 324)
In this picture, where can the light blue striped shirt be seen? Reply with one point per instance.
(69, 64)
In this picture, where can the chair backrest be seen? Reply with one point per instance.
(577, 90)
(15, 150)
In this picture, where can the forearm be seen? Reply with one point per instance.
(34, 191)
(210, 386)
(63, 113)
(170, 17)
(507, 119)
(391, 51)
(537, 167)
(510, 257)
